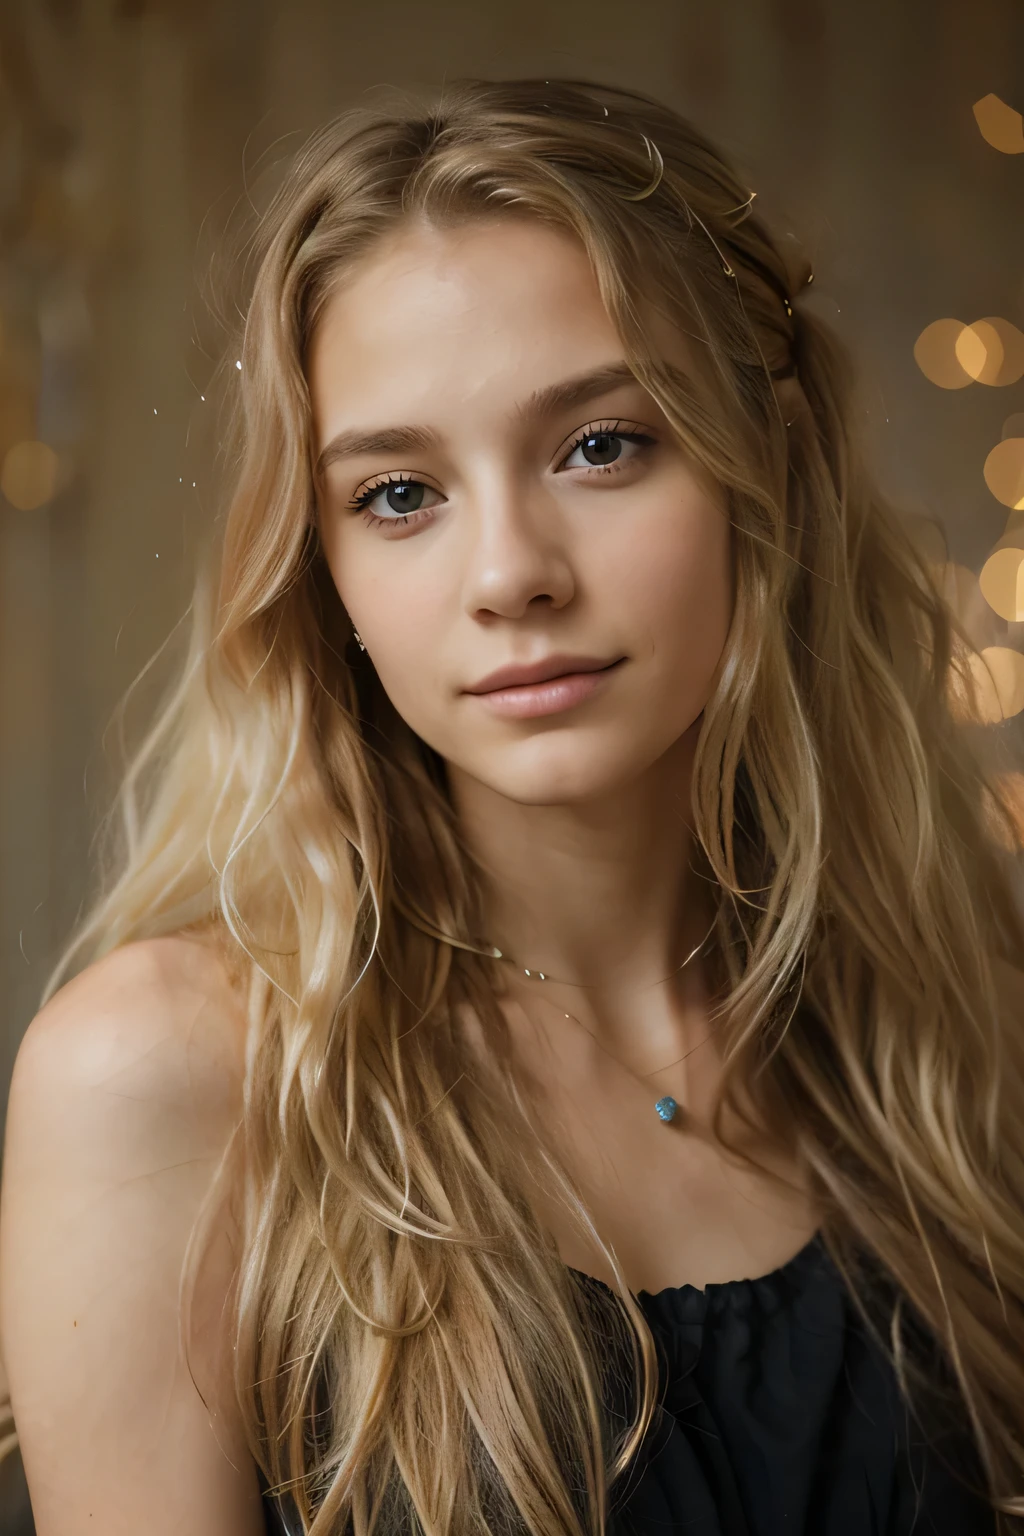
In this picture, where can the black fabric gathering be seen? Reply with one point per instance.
(779, 1415)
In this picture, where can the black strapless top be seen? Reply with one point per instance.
(780, 1416)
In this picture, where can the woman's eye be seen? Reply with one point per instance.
(602, 448)
(398, 500)
(394, 500)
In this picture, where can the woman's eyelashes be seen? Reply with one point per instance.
(601, 446)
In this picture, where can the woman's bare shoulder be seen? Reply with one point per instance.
(137, 1008)
(125, 1094)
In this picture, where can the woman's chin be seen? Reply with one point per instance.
(546, 773)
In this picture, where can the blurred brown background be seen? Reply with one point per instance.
(129, 130)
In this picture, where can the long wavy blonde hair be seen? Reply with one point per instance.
(410, 1351)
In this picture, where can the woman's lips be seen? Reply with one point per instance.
(528, 700)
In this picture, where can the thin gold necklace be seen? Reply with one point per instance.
(665, 1107)
(498, 954)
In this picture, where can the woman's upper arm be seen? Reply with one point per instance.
(124, 1095)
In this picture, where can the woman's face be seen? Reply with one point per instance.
(497, 492)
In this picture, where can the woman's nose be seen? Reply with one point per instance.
(517, 551)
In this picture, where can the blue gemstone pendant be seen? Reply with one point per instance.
(666, 1108)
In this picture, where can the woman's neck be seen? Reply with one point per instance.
(597, 892)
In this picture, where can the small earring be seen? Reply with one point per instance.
(360, 644)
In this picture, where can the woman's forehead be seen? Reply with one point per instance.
(477, 328)
(467, 281)
(490, 315)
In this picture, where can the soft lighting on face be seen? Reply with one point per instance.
(1000, 125)
(29, 475)
(1004, 472)
(1002, 584)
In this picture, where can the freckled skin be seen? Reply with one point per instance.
(527, 549)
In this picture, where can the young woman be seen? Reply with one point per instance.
(558, 1014)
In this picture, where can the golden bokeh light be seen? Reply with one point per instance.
(992, 689)
(29, 475)
(935, 352)
(1013, 534)
(1004, 472)
(953, 355)
(999, 674)
(1012, 339)
(1013, 426)
(991, 351)
(1002, 584)
(1000, 125)
(972, 352)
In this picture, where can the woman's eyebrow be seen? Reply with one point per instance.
(547, 401)
(575, 391)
